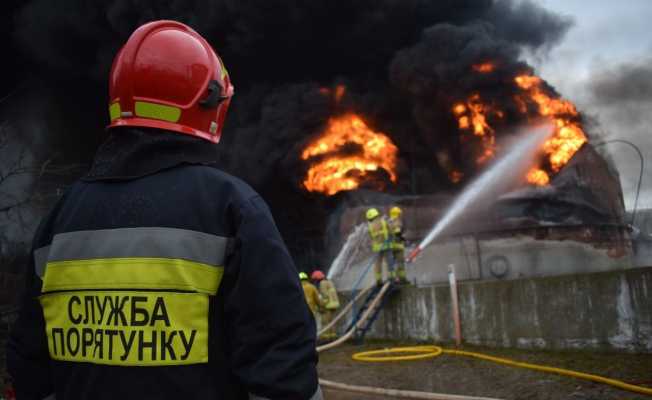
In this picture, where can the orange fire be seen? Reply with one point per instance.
(568, 136)
(472, 116)
(538, 177)
(336, 172)
(484, 68)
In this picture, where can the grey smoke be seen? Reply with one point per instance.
(629, 82)
(621, 97)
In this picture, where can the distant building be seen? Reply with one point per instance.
(576, 224)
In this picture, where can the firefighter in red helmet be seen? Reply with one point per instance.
(168, 77)
(145, 278)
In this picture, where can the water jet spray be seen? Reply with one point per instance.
(492, 182)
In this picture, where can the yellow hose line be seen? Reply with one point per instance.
(423, 352)
(404, 394)
(434, 351)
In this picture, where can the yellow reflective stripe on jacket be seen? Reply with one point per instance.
(396, 227)
(132, 273)
(146, 242)
(127, 328)
(327, 290)
(109, 295)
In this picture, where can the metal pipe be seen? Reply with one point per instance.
(640, 175)
(478, 254)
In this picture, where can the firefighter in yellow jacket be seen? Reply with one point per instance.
(313, 299)
(331, 301)
(397, 242)
(380, 243)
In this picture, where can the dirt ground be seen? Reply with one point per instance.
(466, 376)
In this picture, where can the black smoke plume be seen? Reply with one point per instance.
(403, 62)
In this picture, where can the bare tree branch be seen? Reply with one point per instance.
(26, 184)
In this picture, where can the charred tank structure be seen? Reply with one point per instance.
(337, 103)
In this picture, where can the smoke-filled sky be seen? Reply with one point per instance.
(404, 62)
(604, 65)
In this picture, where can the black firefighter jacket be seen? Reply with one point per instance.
(173, 283)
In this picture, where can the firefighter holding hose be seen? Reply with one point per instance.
(380, 244)
(312, 296)
(395, 225)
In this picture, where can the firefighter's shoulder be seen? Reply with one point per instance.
(238, 192)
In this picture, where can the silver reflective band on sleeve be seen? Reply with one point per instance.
(316, 396)
(156, 242)
(40, 260)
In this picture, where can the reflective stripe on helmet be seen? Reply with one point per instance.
(150, 79)
(114, 111)
(157, 111)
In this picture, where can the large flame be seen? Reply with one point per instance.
(474, 115)
(334, 171)
(568, 136)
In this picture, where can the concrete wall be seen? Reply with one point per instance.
(606, 311)
(515, 257)
(642, 237)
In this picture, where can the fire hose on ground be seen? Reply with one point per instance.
(423, 352)
(406, 394)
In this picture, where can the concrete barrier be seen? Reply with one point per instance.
(499, 258)
(602, 311)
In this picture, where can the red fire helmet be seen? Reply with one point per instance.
(317, 275)
(167, 76)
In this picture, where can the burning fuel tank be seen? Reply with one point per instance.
(575, 224)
